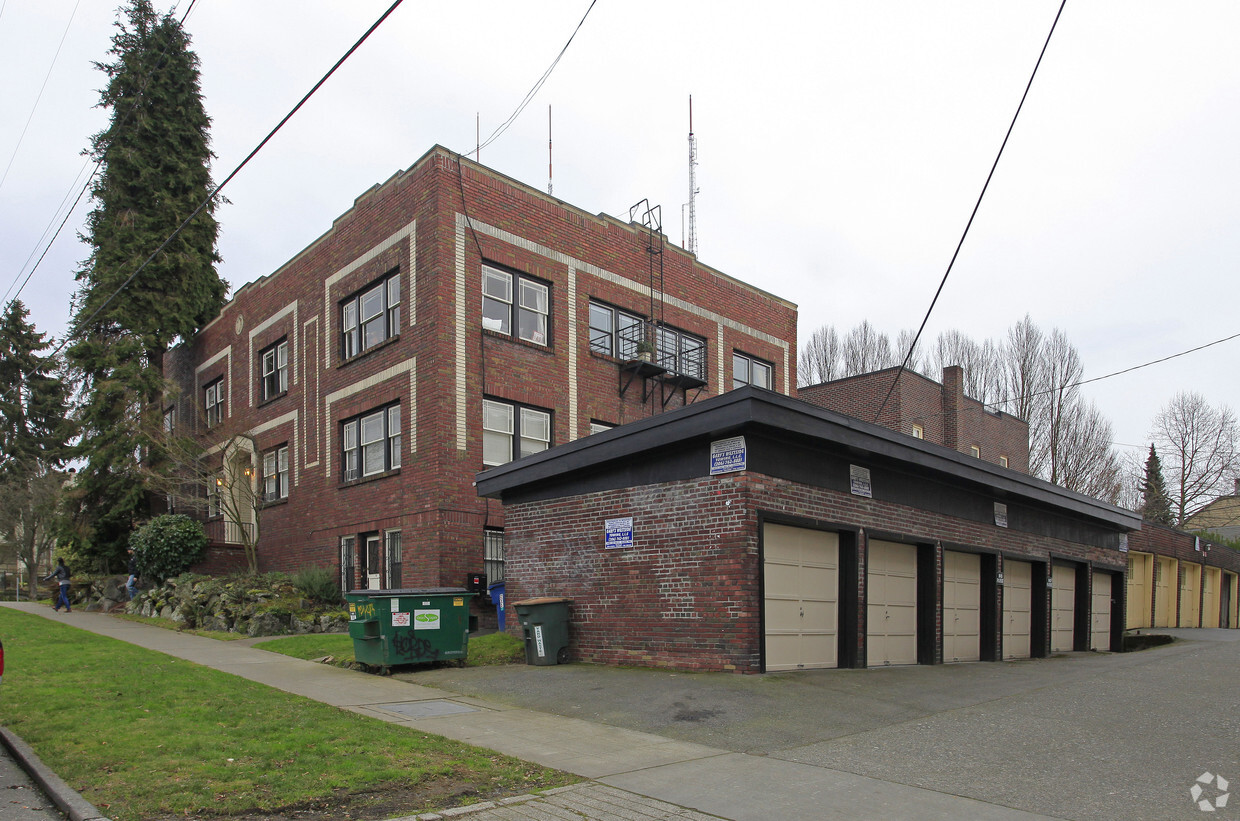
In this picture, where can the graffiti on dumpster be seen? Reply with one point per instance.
(409, 647)
(361, 610)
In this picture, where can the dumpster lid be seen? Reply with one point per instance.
(542, 600)
(414, 591)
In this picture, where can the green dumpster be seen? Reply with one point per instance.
(393, 627)
(544, 623)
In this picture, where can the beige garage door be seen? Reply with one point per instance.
(1017, 608)
(1190, 596)
(962, 606)
(801, 596)
(1210, 597)
(1140, 579)
(1063, 607)
(1100, 613)
(891, 595)
(1164, 592)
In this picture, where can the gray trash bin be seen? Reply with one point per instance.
(544, 624)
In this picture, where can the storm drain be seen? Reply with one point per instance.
(427, 709)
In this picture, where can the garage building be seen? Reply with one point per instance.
(754, 532)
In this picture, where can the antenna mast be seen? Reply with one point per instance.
(548, 149)
(693, 189)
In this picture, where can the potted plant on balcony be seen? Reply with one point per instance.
(645, 351)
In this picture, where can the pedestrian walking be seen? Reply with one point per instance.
(61, 574)
(131, 584)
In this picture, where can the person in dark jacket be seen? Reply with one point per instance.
(131, 584)
(61, 574)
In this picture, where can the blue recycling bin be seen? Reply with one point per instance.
(497, 598)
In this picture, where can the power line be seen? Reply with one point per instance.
(529, 96)
(216, 192)
(976, 206)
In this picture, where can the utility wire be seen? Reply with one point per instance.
(529, 96)
(39, 96)
(216, 192)
(976, 206)
(85, 186)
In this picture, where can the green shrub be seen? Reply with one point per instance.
(167, 546)
(318, 584)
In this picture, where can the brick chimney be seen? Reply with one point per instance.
(952, 400)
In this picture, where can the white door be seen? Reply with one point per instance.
(891, 596)
(1063, 607)
(1100, 614)
(1017, 608)
(801, 596)
(962, 606)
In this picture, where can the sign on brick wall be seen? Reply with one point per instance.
(727, 455)
(619, 533)
(859, 481)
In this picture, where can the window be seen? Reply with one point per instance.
(213, 402)
(370, 317)
(275, 474)
(749, 371)
(614, 332)
(681, 353)
(532, 305)
(275, 370)
(493, 554)
(170, 421)
(215, 487)
(599, 427)
(975, 451)
(391, 552)
(505, 425)
(371, 443)
(1003, 461)
(919, 432)
(348, 552)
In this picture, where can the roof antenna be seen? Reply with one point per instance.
(693, 189)
(548, 149)
(477, 137)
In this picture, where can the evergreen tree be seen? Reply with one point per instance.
(155, 172)
(33, 438)
(1155, 505)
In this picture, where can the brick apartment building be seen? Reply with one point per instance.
(921, 407)
(452, 319)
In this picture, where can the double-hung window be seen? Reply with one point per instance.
(682, 353)
(371, 443)
(614, 332)
(215, 490)
(503, 293)
(392, 558)
(510, 431)
(213, 402)
(348, 561)
(746, 370)
(275, 370)
(493, 554)
(370, 316)
(275, 474)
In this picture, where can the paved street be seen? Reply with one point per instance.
(20, 798)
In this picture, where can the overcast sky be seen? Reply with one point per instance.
(842, 147)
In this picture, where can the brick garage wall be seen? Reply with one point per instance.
(688, 594)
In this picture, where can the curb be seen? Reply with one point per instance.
(65, 798)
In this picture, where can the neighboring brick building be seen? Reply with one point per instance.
(753, 532)
(921, 407)
(452, 319)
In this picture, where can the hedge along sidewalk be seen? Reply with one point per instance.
(106, 715)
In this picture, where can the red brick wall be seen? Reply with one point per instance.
(431, 498)
(688, 594)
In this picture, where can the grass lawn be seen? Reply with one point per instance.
(493, 648)
(146, 736)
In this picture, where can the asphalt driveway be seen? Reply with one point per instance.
(1076, 736)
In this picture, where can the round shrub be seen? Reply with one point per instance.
(167, 546)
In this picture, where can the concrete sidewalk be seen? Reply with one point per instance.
(635, 775)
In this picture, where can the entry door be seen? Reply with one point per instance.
(1100, 631)
(891, 612)
(801, 613)
(1063, 607)
(1140, 576)
(1164, 592)
(1210, 597)
(962, 606)
(374, 564)
(1190, 596)
(1017, 608)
